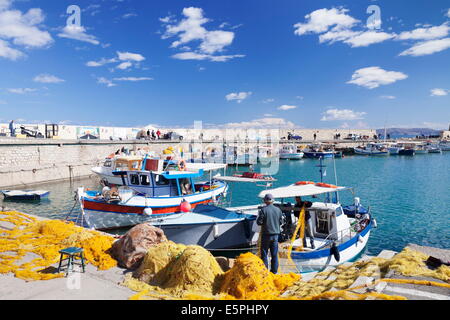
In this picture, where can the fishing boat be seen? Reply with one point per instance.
(318, 151)
(290, 152)
(145, 195)
(372, 149)
(444, 145)
(433, 148)
(24, 195)
(339, 233)
(107, 171)
(338, 237)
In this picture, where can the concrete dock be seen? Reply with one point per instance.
(105, 285)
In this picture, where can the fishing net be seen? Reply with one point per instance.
(407, 263)
(176, 270)
(43, 240)
(250, 279)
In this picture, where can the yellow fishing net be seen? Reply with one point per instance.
(43, 240)
(250, 279)
(176, 270)
(407, 263)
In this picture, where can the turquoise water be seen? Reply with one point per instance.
(408, 196)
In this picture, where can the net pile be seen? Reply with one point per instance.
(176, 270)
(249, 279)
(407, 263)
(44, 240)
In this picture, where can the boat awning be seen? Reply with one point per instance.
(180, 174)
(299, 191)
(205, 166)
(241, 179)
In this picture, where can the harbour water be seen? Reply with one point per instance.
(408, 196)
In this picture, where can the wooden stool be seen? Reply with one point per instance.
(71, 254)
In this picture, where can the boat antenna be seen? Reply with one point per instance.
(321, 166)
(335, 177)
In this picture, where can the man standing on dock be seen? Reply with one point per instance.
(270, 218)
(12, 128)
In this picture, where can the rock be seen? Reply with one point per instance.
(131, 248)
(225, 263)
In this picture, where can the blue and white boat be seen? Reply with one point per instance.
(338, 237)
(25, 195)
(317, 152)
(372, 149)
(290, 152)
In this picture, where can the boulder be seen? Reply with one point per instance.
(130, 250)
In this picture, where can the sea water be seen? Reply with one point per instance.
(408, 196)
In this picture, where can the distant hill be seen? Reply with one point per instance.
(409, 132)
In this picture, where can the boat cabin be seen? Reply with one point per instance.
(162, 183)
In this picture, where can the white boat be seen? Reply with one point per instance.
(337, 236)
(107, 171)
(372, 149)
(20, 195)
(444, 145)
(290, 152)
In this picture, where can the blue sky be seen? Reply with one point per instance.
(305, 63)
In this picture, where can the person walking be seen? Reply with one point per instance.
(270, 218)
(12, 128)
(158, 133)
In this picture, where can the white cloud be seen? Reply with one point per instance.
(239, 97)
(191, 29)
(427, 33)
(21, 90)
(427, 48)
(199, 56)
(438, 92)
(124, 65)
(322, 20)
(448, 13)
(100, 63)
(388, 97)
(268, 100)
(286, 107)
(373, 77)
(133, 79)
(262, 123)
(367, 38)
(342, 115)
(8, 52)
(128, 56)
(21, 29)
(47, 78)
(129, 15)
(129, 59)
(75, 32)
(106, 82)
(5, 4)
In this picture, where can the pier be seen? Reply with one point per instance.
(106, 285)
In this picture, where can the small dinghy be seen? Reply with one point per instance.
(21, 195)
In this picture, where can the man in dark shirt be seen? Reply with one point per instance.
(270, 218)
(308, 232)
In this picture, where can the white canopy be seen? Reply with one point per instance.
(205, 166)
(240, 179)
(298, 191)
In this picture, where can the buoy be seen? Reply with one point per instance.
(374, 222)
(216, 231)
(148, 211)
(185, 206)
(335, 252)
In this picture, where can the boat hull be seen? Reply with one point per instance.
(407, 152)
(370, 153)
(317, 155)
(320, 259)
(291, 156)
(186, 228)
